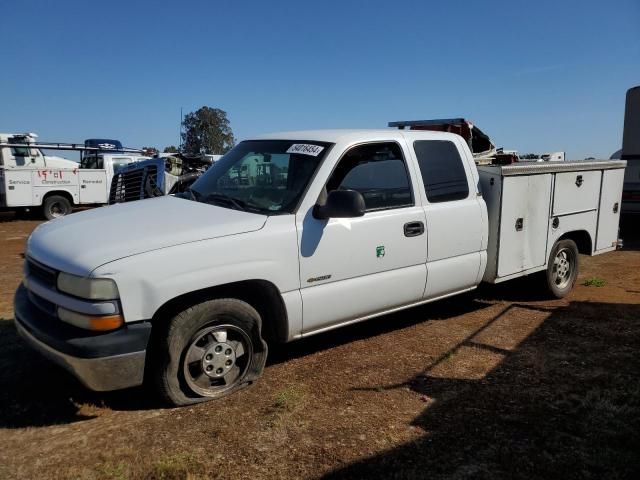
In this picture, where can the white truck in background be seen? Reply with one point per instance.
(30, 180)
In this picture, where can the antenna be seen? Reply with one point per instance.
(180, 131)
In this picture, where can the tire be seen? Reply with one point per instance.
(208, 351)
(562, 269)
(56, 206)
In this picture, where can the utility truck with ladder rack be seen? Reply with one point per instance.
(31, 180)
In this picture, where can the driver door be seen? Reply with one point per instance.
(356, 267)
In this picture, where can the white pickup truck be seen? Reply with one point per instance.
(293, 234)
(30, 179)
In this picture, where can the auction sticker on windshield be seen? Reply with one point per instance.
(305, 149)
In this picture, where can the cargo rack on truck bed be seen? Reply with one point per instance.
(525, 168)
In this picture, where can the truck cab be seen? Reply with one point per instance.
(28, 157)
(110, 163)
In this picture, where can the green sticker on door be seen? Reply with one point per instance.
(380, 251)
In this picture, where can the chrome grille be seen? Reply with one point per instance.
(135, 184)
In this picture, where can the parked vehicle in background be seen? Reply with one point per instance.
(164, 175)
(29, 179)
(543, 157)
(293, 234)
(631, 153)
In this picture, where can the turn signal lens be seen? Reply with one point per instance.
(90, 322)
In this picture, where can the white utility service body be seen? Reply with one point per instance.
(531, 206)
(421, 231)
(28, 177)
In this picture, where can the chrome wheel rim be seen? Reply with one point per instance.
(563, 267)
(217, 359)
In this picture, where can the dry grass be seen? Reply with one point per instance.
(499, 383)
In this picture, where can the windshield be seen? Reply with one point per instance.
(263, 176)
(120, 162)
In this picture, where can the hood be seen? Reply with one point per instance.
(83, 241)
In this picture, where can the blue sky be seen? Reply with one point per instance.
(536, 76)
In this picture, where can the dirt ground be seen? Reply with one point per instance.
(498, 383)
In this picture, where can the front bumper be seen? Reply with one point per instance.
(101, 361)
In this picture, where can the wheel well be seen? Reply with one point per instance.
(262, 295)
(582, 240)
(60, 193)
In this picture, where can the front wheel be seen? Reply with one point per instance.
(209, 351)
(562, 269)
(56, 206)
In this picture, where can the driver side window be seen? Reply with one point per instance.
(376, 170)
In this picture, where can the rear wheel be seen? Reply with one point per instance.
(209, 351)
(56, 206)
(562, 270)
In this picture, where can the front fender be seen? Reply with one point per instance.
(149, 280)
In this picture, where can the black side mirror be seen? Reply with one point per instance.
(341, 204)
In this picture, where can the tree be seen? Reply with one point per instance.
(207, 130)
(170, 149)
(149, 151)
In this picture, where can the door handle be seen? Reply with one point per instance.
(519, 224)
(413, 229)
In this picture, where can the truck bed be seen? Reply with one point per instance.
(531, 206)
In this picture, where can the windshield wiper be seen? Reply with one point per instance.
(194, 194)
(218, 198)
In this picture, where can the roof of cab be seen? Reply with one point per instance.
(353, 135)
(4, 137)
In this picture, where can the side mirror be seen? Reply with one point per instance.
(341, 204)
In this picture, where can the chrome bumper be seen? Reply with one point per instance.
(99, 374)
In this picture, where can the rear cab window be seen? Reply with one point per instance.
(442, 170)
(92, 162)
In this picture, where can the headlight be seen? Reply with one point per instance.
(90, 322)
(89, 288)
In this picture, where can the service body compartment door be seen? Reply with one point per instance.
(18, 188)
(524, 223)
(47, 180)
(609, 214)
(93, 186)
(576, 192)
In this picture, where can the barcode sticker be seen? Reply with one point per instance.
(305, 149)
